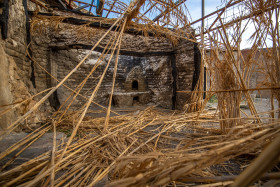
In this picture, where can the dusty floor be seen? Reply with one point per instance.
(44, 144)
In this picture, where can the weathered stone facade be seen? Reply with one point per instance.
(150, 68)
(147, 60)
(16, 69)
(151, 74)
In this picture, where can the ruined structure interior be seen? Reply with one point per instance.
(136, 93)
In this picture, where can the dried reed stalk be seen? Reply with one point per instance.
(152, 147)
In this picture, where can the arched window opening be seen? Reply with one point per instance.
(135, 85)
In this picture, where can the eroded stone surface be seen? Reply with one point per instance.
(154, 73)
(6, 97)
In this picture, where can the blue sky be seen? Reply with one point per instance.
(194, 7)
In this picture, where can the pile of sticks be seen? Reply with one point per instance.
(154, 148)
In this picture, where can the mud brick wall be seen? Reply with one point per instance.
(15, 31)
(67, 34)
(185, 69)
(16, 82)
(60, 50)
(14, 34)
(153, 76)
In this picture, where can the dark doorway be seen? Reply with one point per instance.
(136, 99)
(113, 102)
(135, 85)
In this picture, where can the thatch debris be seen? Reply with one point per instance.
(153, 147)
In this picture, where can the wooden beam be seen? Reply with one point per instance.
(62, 4)
(76, 21)
(81, 7)
(91, 4)
(135, 11)
(122, 52)
(99, 9)
(152, 6)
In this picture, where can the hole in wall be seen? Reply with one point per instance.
(135, 85)
(136, 99)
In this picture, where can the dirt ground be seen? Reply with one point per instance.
(263, 105)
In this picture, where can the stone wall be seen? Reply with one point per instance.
(16, 69)
(13, 90)
(144, 79)
(16, 36)
(5, 90)
(54, 50)
(185, 66)
(156, 78)
(152, 74)
(15, 43)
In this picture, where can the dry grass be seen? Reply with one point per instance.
(154, 148)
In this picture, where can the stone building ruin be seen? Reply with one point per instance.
(151, 69)
(121, 95)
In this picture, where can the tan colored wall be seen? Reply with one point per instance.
(156, 76)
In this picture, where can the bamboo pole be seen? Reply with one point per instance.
(114, 77)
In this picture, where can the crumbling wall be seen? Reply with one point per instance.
(15, 35)
(54, 49)
(67, 34)
(153, 76)
(59, 49)
(15, 43)
(16, 69)
(13, 90)
(5, 90)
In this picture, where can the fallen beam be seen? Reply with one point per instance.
(76, 21)
(122, 52)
